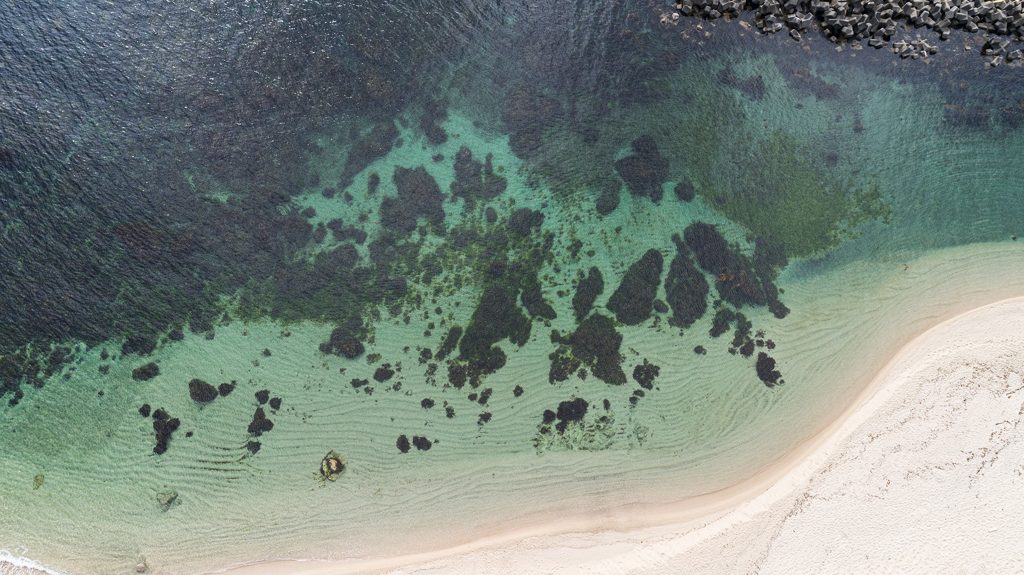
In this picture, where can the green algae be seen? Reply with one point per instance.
(781, 194)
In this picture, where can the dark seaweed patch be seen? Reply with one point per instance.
(634, 298)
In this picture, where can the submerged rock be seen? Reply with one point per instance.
(332, 466)
(146, 372)
(586, 293)
(686, 288)
(735, 282)
(645, 171)
(633, 300)
(201, 392)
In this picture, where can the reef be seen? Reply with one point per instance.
(275, 403)
(140, 344)
(164, 428)
(343, 343)
(645, 171)
(684, 191)
(434, 113)
(201, 392)
(766, 371)
(475, 181)
(596, 343)
(421, 443)
(383, 373)
(735, 282)
(523, 221)
(495, 318)
(645, 374)
(403, 444)
(586, 293)
(569, 411)
(262, 396)
(608, 201)
(527, 113)
(260, 423)
(634, 298)
(418, 195)
(686, 288)
(225, 389)
(376, 144)
(146, 372)
(753, 87)
(563, 366)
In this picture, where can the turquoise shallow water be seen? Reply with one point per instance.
(243, 216)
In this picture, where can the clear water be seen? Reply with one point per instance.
(157, 166)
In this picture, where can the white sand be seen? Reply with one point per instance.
(922, 475)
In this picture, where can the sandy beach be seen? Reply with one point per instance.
(926, 454)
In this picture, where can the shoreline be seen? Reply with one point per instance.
(695, 519)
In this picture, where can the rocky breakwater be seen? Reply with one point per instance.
(876, 20)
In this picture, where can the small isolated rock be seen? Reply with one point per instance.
(332, 466)
(167, 499)
(146, 372)
(201, 392)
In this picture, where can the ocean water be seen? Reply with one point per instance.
(226, 192)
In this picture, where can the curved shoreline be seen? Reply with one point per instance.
(696, 519)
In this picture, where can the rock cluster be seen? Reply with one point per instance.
(876, 20)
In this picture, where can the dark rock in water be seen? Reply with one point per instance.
(275, 403)
(527, 112)
(684, 191)
(645, 374)
(225, 389)
(475, 181)
(517, 391)
(375, 145)
(320, 233)
(164, 429)
(570, 411)
(549, 416)
(418, 195)
(596, 343)
(736, 284)
(263, 396)
(660, 306)
(496, 317)
(176, 335)
(421, 443)
(524, 221)
(608, 201)
(747, 349)
(533, 301)
(769, 260)
(140, 344)
(343, 343)
(686, 288)
(161, 415)
(403, 444)
(699, 350)
(633, 300)
(253, 447)
(586, 293)
(766, 371)
(450, 341)
(753, 87)
(645, 171)
(146, 372)
(427, 403)
(144, 410)
(357, 383)
(201, 392)
(260, 423)
(384, 373)
(484, 418)
(562, 367)
(720, 324)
